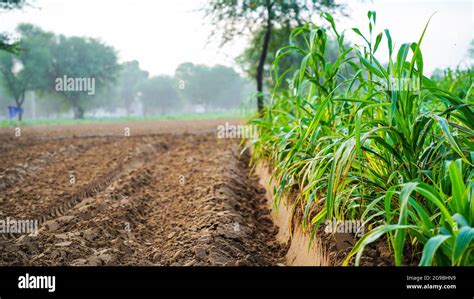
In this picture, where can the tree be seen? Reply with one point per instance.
(44, 58)
(194, 83)
(291, 61)
(12, 79)
(28, 70)
(5, 43)
(80, 58)
(51, 104)
(159, 95)
(261, 16)
(226, 87)
(218, 86)
(251, 55)
(131, 76)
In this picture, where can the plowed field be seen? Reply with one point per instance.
(169, 193)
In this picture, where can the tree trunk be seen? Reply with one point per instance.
(76, 107)
(78, 112)
(263, 57)
(19, 102)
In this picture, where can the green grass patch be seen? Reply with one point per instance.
(92, 120)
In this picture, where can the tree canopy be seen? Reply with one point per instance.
(78, 57)
(46, 62)
(218, 86)
(159, 95)
(30, 68)
(130, 79)
(259, 18)
(5, 43)
(44, 58)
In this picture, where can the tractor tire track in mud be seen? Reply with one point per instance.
(162, 199)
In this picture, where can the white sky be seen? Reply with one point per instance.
(161, 34)
(447, 38)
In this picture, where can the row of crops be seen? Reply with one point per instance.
(373, 140)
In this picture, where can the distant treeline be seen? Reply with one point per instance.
(79, 74)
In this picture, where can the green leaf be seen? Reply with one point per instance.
(400, 235)
(389, 42)
(401, 58)
(457, 186)
(370, 237)
(443, 124)
(370, 67)
(430, 248)
(378, 39)
(356, 30)
(461, 244)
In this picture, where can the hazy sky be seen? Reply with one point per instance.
(161, 34)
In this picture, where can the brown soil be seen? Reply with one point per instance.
(169, 194)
